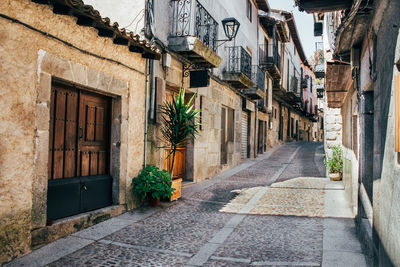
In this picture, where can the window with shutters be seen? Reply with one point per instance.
(248, 10)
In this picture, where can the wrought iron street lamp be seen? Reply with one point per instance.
(231, 28)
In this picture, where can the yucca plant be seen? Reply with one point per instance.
(180, 123)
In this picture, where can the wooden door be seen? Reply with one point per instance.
(224, 148)
(245, 135)
(92, 135)
(78, 154)
(260, 138)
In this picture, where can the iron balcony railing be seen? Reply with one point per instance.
(239, 61)
(190, 18)
(320, 87)
(269, 55)
(258, 77)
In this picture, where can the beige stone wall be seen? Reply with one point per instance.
(285, 114)
(273, 134)
(24, 101)
(207, 145)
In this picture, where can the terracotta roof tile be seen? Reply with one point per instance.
(88, 16)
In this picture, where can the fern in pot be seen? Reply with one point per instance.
(335, 163)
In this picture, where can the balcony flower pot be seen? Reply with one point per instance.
(153, 184)
(335, 164)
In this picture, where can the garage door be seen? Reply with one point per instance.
(245, 134)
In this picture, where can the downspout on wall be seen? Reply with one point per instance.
(146, 106)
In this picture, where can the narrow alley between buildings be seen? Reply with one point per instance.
(276, 210)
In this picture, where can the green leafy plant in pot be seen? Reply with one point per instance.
(335, 163)
(153, 183)
(180, 123)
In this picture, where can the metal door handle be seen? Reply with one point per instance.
(80, 132)
(85, 188)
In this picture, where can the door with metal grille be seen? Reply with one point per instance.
(79, 177)
(245, 135)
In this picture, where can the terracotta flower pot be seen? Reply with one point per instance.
(335, 176)
(153, 202)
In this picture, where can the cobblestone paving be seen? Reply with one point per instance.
(275, 239)
(99, 254)
(175, 235)
(181, 228)
(304, 163)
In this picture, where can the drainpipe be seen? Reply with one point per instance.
(255, 129)
(256, 102)
(146, 99)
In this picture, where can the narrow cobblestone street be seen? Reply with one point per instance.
(197, 231)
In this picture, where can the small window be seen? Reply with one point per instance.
(248, 10)
(275, 113)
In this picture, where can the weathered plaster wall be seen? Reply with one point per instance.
(350, 153)
(387, 207)
(22, 105)
(128, 14)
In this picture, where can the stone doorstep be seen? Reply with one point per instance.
(66, 226)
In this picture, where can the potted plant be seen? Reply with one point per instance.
(179, 124)
(335, 164)
(153, 184)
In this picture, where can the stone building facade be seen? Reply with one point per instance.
(59, 50)
(364, 42)
(81, 100)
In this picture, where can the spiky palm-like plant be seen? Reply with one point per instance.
(179, 123)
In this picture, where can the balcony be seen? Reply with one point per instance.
(258, 78)
(320, 94)
(293, 94)
(319, 70)
(194, 33)
(270, 60)
(238, 71)
(320, 88)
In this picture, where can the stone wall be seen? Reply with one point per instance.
(386, 184)
(273, 133)
(24, 120)
(333, 128)
(207, 146)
